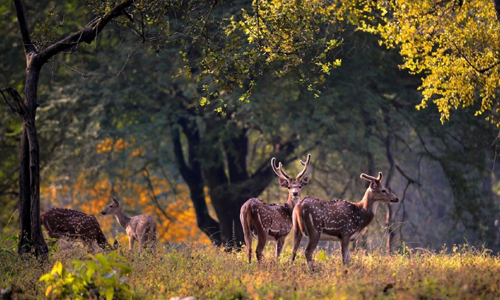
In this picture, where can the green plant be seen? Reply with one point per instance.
(8, 243)
(100, 277)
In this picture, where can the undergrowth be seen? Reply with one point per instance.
(206, 272)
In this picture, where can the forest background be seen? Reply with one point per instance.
(180, 118)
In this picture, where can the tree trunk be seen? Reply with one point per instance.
(389, 215)
(25, 241)
(202, 169)
(191, 172)
(29, 130)
(29, 174)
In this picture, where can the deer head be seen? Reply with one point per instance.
(113, 208)
(294, 186)
(376, 191)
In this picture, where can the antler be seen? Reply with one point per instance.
(279, 170)
(306, 166)
(371, 178)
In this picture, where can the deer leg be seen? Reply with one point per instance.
(346, 255)
(297, 237)
(130, 242)
(248, 244)
(311, 246)
(261, 242)
(279, 245)
(152, 240)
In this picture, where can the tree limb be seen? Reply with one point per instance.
(20, 108)
(87, 34)
(29, 48)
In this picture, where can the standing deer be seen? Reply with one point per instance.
(264, 221)
(337, 220)
(140, 228)
(73, 224)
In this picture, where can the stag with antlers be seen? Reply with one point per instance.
(263, 221)
(337, 220)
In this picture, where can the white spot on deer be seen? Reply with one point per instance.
(344, 218)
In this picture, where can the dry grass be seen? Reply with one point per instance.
(206, 272)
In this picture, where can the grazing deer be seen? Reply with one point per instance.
(264, 221)
(140, 228)
(73, 224)
(337, 220)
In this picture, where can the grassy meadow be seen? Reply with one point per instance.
(206, 272)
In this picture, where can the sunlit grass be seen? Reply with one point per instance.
(205, 272)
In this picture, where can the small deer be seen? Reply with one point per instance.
(337, 220)
(142, 228)
(73, 224)
(264, 221)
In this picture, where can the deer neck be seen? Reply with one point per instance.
(368, 208)
(122, 219)
(289, 206)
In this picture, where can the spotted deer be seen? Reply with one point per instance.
(73, 224)
(263, 222)
(142, 228)
(337, 220)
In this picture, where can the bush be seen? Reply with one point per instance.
(100, 277)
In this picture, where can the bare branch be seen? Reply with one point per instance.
(481, 71)
(14, 110)
(87, 35)
(20, 108)
(29, 48)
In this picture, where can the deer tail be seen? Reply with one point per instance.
(246, 222)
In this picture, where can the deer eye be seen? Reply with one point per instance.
(384, 191)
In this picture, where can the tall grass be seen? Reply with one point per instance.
(206, 272)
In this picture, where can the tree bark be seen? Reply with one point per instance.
(25, 242)
(209, 169)
(192, 173)
(389, 214)
(29, 175)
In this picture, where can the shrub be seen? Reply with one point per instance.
(100, 277)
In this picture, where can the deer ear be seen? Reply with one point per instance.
(283, 182)
(115, 201)
(304, 181)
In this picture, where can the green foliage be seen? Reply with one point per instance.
(8, 243)
(101, 278)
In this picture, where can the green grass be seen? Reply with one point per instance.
(206, 272)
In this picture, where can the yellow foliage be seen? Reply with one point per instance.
(454, 44)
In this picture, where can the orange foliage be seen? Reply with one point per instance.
(92, 197)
